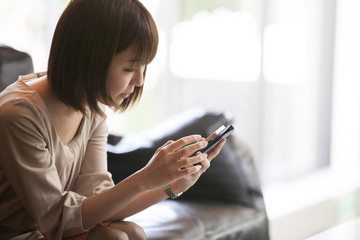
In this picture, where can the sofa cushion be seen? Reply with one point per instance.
(226, 179)
(202, 220)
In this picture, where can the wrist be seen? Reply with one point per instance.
(175, 187)
(143, 184)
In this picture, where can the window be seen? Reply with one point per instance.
(268, 62)
(217, 45)
(28, 26)
(296, 87)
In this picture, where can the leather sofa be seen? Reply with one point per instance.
(226, 202)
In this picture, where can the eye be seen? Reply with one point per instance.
(130, 70)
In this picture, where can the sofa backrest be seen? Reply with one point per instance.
(12, 64)
(232, 177)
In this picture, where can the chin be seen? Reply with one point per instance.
(119, 100)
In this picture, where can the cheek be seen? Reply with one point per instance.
(116, 83)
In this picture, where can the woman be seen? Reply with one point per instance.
(54, 182)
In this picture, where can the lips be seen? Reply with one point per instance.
(124, 95)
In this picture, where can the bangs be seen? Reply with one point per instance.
(146, 42)
(142, 36)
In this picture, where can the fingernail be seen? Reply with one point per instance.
(204, 143)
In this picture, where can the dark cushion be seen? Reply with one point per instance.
(231, 178)
(12, 64)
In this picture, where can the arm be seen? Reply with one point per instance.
(157, 195)
(142, 202)
(166, 166)
(102, 206)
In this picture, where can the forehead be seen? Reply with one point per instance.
(126, 55)
(129, 55)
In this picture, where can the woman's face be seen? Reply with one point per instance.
(125, 74)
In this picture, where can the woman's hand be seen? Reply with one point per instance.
(218, 147)
(184, 183)
(172, 162)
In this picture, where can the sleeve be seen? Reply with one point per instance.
(31, 171)
(94, 177)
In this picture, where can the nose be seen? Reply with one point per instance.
(138, 78)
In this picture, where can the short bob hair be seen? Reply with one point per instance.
(88, 35)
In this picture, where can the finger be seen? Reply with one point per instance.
(205, 165)
(190, 170)
(211, 136)
(217, 131)
(189, 162)
(191, 154)
(200, 158)
(183, 142)
(216, 150)
(166, 144)
(190, 149)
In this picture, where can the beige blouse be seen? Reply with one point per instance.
(42, 181)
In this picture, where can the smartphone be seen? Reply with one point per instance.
(215, 140)
(225, 132)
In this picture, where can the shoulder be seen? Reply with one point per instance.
(19, 106)
(22, 125)
(20, 97)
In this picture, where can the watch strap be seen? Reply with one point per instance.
(170, 193)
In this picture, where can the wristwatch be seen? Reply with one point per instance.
(170, 193)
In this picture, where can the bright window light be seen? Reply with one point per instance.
(285, 53)
(221, 45)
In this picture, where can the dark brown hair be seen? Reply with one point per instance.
(88, 34)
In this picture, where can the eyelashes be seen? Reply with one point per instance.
(130, 70)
